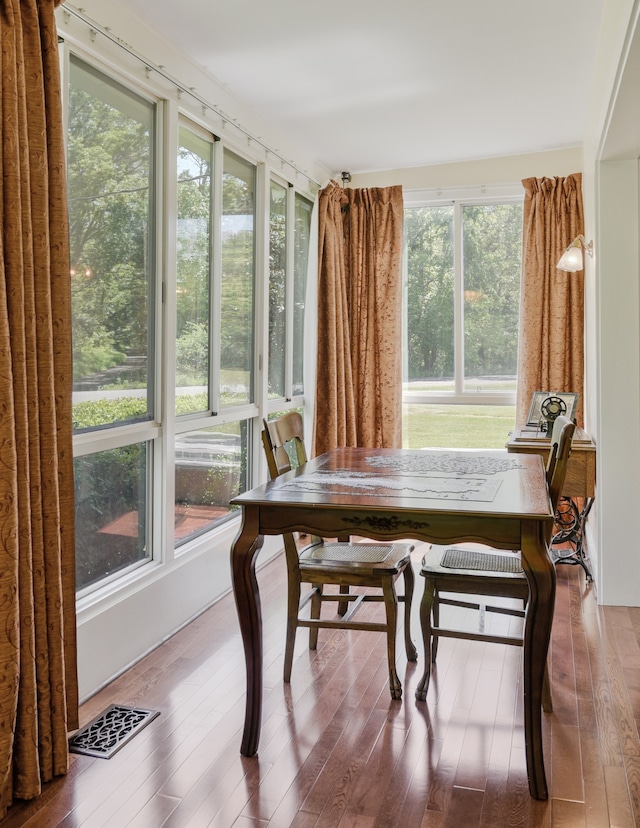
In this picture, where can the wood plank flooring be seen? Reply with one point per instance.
(337, 751)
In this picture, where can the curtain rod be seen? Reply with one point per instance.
(95, 29)
(462, 192)
(483, 189)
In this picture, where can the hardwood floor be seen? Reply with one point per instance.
(336, 751)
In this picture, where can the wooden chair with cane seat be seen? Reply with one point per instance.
(474, 569)
(337, 563)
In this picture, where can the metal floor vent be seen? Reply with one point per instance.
(111, 730)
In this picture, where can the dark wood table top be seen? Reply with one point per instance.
(446, 481)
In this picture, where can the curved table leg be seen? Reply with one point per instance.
(245, 589)
(541, 575)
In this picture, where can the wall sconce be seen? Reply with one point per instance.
(571, 260)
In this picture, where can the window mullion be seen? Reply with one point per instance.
(163, 472)
(215, 312)
(458, 276)
(289, 293)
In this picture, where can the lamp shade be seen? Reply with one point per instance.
(571, 260)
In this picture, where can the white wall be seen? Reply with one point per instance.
(612, 147)
(618, 378)
(509, 169)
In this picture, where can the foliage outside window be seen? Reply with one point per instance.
(491, 266)
(289, 239)
(111, 136)
(277, 289)
(112, 515)
(302, 240)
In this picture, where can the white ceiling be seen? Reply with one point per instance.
(366, 85)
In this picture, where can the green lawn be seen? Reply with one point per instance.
(457, 426)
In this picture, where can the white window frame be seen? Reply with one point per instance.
(458, 198)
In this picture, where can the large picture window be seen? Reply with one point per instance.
(463, 264)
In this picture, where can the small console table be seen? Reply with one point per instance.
(580, 482)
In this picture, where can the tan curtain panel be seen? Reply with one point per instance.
(359, 370)
(551, 343)
(38, 688)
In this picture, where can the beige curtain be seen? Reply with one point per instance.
(38, 688)
(551, 344)
(359, 370)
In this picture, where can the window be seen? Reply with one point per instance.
(148, 484)
(238, 269)
(193, 272)
(289, 235)
(211, 461)
(111, 147)
(302, 239)
(463, 261)
(491, 264)
(111, 138)
(211, 468)
(277, 290)
(112, 515)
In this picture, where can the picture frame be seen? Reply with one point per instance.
(535, 417)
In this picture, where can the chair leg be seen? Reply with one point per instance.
(391, 607)
(435, 614)
(409, 582)
(316, 606)
(343, 606)
(547, 704)
(426, 607)
(293, 608)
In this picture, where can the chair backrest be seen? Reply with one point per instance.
(562, 437)
(558, 424)
(283, 441)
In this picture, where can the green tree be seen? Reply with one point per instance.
(277, 289)
(492, 243)
(194, 234)
(430, 319)
(193, 261)
(237, 292)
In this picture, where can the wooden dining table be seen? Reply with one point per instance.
(442, 496)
